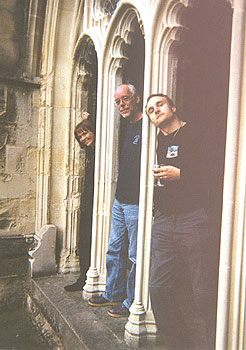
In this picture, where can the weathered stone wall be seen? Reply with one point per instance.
(19, 104)
(18, 149)
(12, 36)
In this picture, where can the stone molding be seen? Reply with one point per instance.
(46, 114)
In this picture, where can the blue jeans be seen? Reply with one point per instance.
(122, 244)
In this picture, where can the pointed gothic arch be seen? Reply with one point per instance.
(115, 67)
(167, 66)
(121, 35)
(170, 32)
(193, 41)
(83, 98)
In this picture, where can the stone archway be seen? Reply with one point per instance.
(84, 98)
(203, 82)
(202, 92)
(169, 74)
(87, 73)
(115, 68)
(133, 69)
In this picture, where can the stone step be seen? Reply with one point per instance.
(67, 321)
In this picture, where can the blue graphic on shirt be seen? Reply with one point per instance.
(136, 139)
(172, 152)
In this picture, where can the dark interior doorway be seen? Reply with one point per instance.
(133, 70)
(203, 85)
(133, 73)
(89, 66)
(206, 54)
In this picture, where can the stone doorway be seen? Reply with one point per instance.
(202, 92)
(89, 67)
(79, 204)
(205, 79)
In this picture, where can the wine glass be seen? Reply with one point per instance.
(158, 182)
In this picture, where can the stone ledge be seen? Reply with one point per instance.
(14, 270)
(77, 325)
(14, 246)
(12, 292)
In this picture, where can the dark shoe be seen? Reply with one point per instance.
(119, 311)
(99, 300)
(78, 285)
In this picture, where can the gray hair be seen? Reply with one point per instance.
(133, 89)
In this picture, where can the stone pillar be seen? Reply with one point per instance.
(105, 178)
(141, 324)
(46, 116)
(231, 293)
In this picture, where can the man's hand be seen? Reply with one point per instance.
(167, 173)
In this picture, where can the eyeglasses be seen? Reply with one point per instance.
(122, 99)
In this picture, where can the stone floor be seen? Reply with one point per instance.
(79, 325)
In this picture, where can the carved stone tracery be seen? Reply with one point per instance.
(104, 8)
(83, 98)
(109, 6)
(123, 37)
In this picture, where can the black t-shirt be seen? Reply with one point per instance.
(127, 190)
(185, 150)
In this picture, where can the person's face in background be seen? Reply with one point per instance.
(86, 137)
(126, 103)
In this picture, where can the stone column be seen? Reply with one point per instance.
(46, 116)
(231, 293)
(141, 324)
(104, 187)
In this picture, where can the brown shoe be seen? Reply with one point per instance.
(99, 300)
(119, 312)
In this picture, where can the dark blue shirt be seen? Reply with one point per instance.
(127, 190)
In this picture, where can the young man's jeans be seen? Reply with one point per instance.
(183, 279)
(122, 244)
